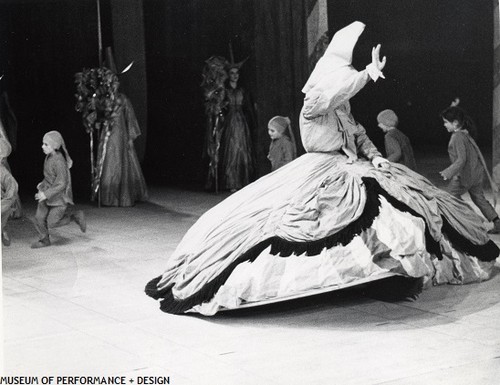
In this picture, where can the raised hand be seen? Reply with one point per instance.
(379, 64)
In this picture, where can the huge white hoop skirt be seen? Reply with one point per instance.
(321, 223)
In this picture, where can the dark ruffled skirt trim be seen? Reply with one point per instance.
(486, 253)
(284, 248)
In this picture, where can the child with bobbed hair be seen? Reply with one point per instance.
(282, 149)
(54, 192)
(9, 189)
(467, 169)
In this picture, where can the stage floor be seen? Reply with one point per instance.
(78, 308)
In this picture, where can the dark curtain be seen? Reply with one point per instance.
(44, 43)
(281, 54)
(127, 22)
(436, 50)
(180, 36)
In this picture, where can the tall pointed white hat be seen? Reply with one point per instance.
(337, 55)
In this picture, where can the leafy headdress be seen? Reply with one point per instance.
(97, 101)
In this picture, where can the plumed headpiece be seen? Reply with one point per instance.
(5, 148)
(55, 140)
(337, 56)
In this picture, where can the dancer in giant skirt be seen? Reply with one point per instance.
(339, 215)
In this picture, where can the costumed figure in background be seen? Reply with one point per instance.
(238, 162)
(214, 76)
(8, 187)
(8, 131)
(282, 149)
(121, 180)
(338, 216)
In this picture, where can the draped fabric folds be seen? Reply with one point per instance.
(122, 182)
(237, 149)
(327, 220)
(323, 222)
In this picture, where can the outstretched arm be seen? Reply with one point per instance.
(338, 86)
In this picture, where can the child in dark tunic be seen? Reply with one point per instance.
(397, 145)
(54, 192)
(468, 167)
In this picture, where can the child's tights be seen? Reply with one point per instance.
(48, 217)
(476, 194)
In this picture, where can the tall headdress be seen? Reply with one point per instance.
(338, 55)
(109, 62)
(232, 63)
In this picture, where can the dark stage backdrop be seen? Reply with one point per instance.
(436, 51)
(282, 66)
(180, 36)
(44, 43)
